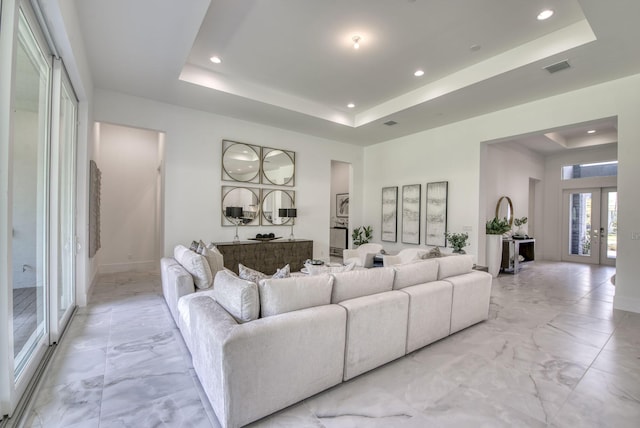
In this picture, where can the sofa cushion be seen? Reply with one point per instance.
(418, 272)
(278, 296)
(237, 296)
(358, 283)
(196, 264)
(454, 265)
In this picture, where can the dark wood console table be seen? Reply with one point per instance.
(266, 256)
(512, 249)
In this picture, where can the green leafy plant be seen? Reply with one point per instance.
(457, 240)
(497, 226)
(520, 221)
(362, 235)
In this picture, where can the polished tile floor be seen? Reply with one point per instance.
(553, 353)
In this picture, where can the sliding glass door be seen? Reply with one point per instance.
(30, 197)
(38, 127)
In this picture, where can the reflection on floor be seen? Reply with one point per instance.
(25, 307)
(553, 353)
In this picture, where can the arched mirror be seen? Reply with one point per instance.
(272, 202)
(504, 209)
(278, 167)
(246, 202)
(240, 162)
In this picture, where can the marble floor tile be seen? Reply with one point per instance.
(553, 353)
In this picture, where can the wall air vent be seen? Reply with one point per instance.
(558, 66)
(391, 123)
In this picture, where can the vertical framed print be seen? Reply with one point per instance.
(342, 205)
(411, 213)
(389, 225)
(437, 195)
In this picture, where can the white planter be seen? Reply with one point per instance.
(494, 254)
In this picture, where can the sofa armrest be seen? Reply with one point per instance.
(251, 370)
(176, 282)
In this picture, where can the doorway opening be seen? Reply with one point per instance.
(131, 206)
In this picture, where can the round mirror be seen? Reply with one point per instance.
(240, 162)
(245, 199)
(272, 203)
(278, 167)
(504, 209)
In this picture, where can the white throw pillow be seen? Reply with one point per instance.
(249, 274)
(196, 264)
(283, 272)
(214, 258)
(237, 296)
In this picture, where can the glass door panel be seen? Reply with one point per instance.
(582, 220)
(29, 182)
(66, 206)
(609, 227)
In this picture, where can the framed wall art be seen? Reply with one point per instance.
(342, 205)
(437, 194)
(389, 214)
(411, 213)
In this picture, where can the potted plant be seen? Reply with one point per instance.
(519, 222)
(494, 229)
(457, 241)
(362, 235)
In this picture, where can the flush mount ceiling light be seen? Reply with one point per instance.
(215, 59)
(351, 105)
(591, 131)
(418, 73)
(545, 14)
(356, 42)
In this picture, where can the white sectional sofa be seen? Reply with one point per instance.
(258, 348)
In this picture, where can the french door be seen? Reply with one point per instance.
(590, 225)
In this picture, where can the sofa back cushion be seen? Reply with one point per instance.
(282, 295)
(237, 296)
(454, 265)
(214, 257)
(414, 273)
(363, 282)
(196, 264)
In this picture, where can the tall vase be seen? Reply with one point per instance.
(494, 254)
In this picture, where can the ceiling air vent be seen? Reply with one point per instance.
(391, 123)
(558, 66)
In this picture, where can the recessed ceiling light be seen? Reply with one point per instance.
(418, 73)
(351, 105)
(356, 42)
(591, 131)
(545, 14)
(475, 48)
(215, 59)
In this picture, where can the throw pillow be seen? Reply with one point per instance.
(249, 274)
(201, 247)
(193, 246)
(433, 253)
(195, 264)
(215, 259)
(283, 272)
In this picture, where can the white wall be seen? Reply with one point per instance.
(129, 161)
(554, 187)
(507, 171)
(452, 153)
(193, 169)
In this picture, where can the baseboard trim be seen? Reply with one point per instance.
(144, 266)
(629, 304)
